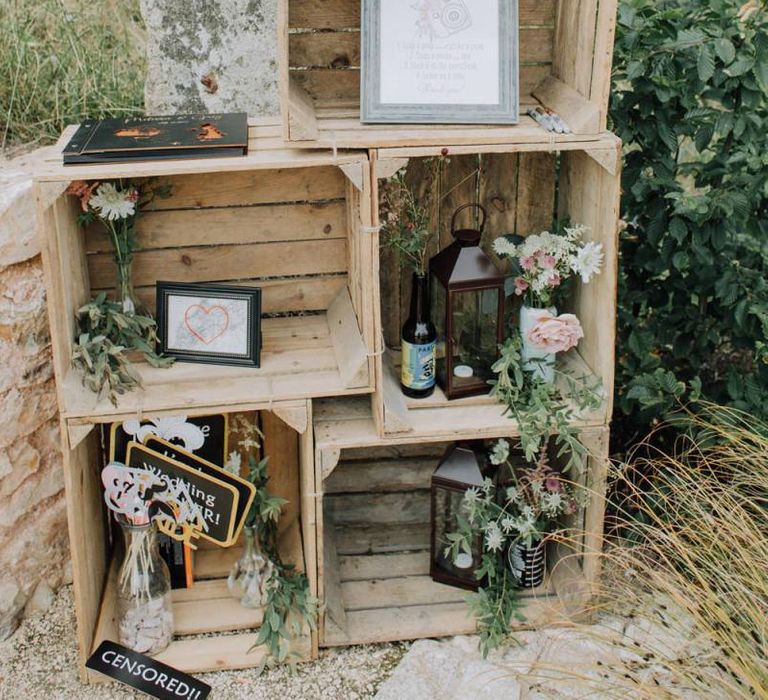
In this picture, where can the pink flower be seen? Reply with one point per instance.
(83, 191)
(132, 195)
(554, 280)
(548, 262)
(527, 264)
(539, 254)
(553, 485)
(555, 334)
(521, 286)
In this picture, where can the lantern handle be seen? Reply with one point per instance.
(471, 205)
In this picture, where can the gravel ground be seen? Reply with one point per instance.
(40, 662)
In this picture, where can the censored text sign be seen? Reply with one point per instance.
(145, 674)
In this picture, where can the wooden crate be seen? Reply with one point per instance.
(566, 51)
(213, 631)
(374, 536)
(523, 192)
(295, 224)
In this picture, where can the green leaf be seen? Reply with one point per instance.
(726, 51)
(706, 63)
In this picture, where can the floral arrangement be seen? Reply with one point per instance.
(526, 511)
(553, 334)
(544, 262)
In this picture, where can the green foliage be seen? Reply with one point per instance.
(63, 60)
(290, 605)
(543, 410)
(104, 334)
(691, 104)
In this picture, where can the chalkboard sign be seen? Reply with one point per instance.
(205, 436)
(245, 489)
(216, 501)
(146, 674)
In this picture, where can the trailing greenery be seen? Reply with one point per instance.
(691, 104)
(63, 60)
(104, 336)
(543, 410)
(290, 605)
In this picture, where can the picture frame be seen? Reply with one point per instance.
(440, 62)
(209, 323)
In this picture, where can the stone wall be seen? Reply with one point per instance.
(33, 525)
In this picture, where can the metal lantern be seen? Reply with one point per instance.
(467, 300)
(461, 468)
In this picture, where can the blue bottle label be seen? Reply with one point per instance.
(418, 369)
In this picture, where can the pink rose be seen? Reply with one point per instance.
(554, 280)
(521, 286)
(527, 264)
(555, 334)
(548, 262)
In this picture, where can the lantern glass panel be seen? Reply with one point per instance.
(439, 309)
(474, 337)
(447, 507)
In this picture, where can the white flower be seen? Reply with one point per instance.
(112, 203)
(503, 246)
(500, 452)
(512, 494)
(552, 503)
(576, 233)
(508, 524)
(494, 540)
(234, 463)
(588, 261)
(487, 486)
(471, 496)
(528, 514)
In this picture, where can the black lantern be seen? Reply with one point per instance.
(462, 467)
(467, 291)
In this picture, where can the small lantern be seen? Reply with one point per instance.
(462, 468)
(467, 292)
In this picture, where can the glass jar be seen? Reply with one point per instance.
(145, 613)
(250, 578)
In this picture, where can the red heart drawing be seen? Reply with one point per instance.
(206, 333)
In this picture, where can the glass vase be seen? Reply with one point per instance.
(124, 291)
(145, 614)
(541, 363)
(527, 563)
(250, 578)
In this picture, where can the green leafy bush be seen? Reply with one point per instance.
(691, 104)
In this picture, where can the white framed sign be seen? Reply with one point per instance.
(440, 61)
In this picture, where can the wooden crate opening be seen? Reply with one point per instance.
(212, 630)
(374, 540)
(296, 225)
(565, 63)
(523, 193)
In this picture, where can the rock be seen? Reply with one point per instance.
(211, 55)
(12, 601)
(18, 235)
(41, 600)
(24, 460)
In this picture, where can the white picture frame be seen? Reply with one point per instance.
(440, 62)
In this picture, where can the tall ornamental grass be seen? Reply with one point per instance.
(63, 60)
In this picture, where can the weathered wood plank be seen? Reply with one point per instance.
(381, 476)
(381, 566)
(382, 538)
(394, 592)
(385, 508)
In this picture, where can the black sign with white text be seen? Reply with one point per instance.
(145, 674)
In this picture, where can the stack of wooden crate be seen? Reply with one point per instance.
(299, 216)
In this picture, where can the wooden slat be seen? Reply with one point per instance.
(382, 538)
(252, 187)
(277, 296)
(219, 615)
(348, 345)
(393, 592)
(262, 224)
(215, 263)
(214, 589)
(342, 49)
(414, 622)
(536, 193)
(337, 14)
(410, 508)
(382, 566)
(281, 444)
(380, 475)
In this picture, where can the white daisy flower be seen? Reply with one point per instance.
(508, 524)
(487, 486)
(471, 496)
(500, 452)
(503, 246)
(494, 540)
(512, 494)
(112, 203)
(588, 261)
(552, 502)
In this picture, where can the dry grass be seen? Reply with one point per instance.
(690, 571)
(62, 60)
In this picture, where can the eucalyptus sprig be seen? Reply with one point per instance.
(290, 604)
(105, 334)
(544, 410)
